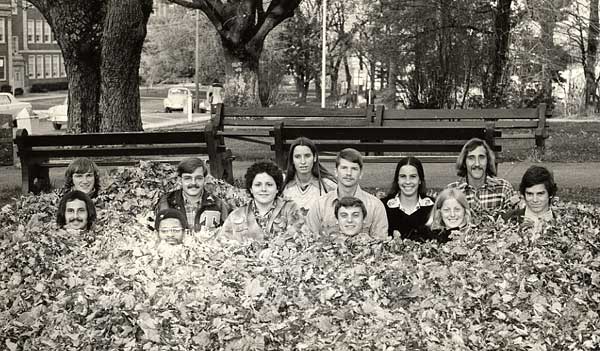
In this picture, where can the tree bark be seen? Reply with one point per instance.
(591, 57)
(495, 88)
(122, 41)
(101, 42)
(243, 26)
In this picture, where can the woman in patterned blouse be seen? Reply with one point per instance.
(266, 214)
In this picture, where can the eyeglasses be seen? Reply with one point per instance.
(174, 230)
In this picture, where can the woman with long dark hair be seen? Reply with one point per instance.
(406, 204)
(306, 179)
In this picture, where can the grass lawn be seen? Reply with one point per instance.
(568, 142)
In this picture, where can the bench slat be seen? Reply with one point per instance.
(112, 152)
(231, 113)
(430, 114)
(116, 138)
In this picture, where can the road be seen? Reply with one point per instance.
(153, 115)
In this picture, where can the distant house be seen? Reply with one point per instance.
(29, 53)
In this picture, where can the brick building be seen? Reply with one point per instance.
(29, 53)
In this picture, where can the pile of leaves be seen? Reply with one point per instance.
(113, 288)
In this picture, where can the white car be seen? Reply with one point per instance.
(176, 99)
(58, 114)
(10, 105)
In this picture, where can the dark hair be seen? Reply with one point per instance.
(169, 213)
(318, 171)
(75, 195)
(408, 161)
(535, 175)
(349, 154)
(190, 164)
(267, 167)
(461, 162)
(82, 165)
(350, 201)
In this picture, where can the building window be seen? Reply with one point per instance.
(47, 33)
(48, 66)
(13, 6)
(2, 68)
(39, 27)
(55, 66)
(15, 43)
(31, 66)
(2, 30)
(63, 73)
(39, 66)
(30, 30)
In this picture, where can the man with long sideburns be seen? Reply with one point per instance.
(485, 192)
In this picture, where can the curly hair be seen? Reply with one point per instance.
(317, 170)
(535, 175)
(82, 165)
(267, 167)
(435, 218)
(76, 195)
(461, 162)
(408, 161)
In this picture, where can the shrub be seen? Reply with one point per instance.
(113, 288)
(46, 87)
(18, 91)
(5, 88)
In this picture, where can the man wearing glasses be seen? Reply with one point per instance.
(201, 210)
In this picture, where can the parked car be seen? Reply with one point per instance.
(58, 114)
(10, 105)
(176, 99)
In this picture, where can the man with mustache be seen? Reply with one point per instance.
(202, 210)
(348, 171)
(486, 193)
(76, 211)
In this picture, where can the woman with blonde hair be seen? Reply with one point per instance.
(450, 217)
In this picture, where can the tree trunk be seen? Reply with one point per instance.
(333, 89)
(84, 94)
(348, 75)
(122, 41)
(591, 57)
(241, 79)
(495, 87)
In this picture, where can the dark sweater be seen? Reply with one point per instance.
(407, 225)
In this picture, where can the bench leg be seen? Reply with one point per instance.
(228, 167)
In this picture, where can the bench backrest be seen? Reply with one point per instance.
(429, 137)
(251, 117)
(115, 144)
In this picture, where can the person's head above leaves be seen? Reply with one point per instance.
(169, 226)
(83, 175)
(191, 173)
(76, 211)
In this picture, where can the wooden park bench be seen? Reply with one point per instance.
(38, 153)
(256, 124)
(516, 124)
(440, 140)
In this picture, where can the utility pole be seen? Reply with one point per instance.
(324, 54)
(197, 63)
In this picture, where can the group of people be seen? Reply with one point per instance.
(310, 197)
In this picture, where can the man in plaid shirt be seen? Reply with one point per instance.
(485, 192)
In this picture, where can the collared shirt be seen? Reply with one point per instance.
(496, 194)
(191, 207)
(307, 198)
(262, 220)
(322, 217)
(396, 203)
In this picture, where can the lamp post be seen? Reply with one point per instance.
(323, 53)
(197, 63)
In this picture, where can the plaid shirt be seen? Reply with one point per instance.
(496, 194)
